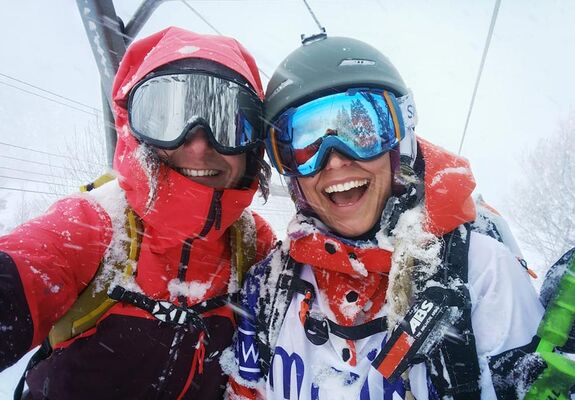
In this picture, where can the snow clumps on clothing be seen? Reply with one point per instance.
(411, 242)
(112, 199)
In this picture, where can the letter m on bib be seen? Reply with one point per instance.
(287, 361)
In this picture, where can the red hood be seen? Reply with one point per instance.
(448, 187)
(180, 206)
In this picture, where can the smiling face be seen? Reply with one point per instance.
(349, 196)
(200, 162)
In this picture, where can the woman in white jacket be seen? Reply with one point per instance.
(383, 288)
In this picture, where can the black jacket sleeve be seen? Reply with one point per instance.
(16, 328)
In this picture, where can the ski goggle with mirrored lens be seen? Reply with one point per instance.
(163, 108)
(361, 124)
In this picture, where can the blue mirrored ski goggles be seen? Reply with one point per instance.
(163, 108)
(361, 124)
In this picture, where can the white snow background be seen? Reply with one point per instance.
(50, 94)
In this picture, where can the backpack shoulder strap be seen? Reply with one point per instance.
(454, 366)
(97, 183)
(276, 292)
(243, 241)
(94, 301)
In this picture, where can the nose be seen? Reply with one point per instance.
(336, 160)
(197, 141)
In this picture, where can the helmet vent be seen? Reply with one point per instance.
(353, 62)
(280, 87)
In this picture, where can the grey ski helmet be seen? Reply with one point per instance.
(327, 65)
(324, 65)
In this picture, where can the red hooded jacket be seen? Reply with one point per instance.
(184, 257)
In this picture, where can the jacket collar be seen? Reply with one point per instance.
(173, 207)
(312, 243)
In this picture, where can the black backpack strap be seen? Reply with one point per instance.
(270, 313)
(457, 357)
(318, 330)
(41, 354)
(170, 313)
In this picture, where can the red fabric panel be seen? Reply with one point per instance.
(265, 237)
(57, 255)
(448, 187)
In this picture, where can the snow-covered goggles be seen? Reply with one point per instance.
(362, 124)
(164, 107)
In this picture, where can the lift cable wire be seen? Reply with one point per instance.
(50, 92)
(37, 181)
(321, 28)
(48, 153)
(483, 58)
(31, 172)
(47, 164)
(32, 191)
(50, 99)
(200, 16)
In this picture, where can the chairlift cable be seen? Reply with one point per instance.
(43, 163)
(48, 98)
(48, 153)
(49, 92)
(200, 16)
(31, 172)
(483, 58)
(36, 181)
(321, 29)
(31, 191)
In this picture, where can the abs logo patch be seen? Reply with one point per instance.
(409, 334)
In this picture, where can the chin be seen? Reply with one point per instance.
(349, 231)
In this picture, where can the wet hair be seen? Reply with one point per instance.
(257, 168)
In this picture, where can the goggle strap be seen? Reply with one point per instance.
(392, 109)
(277, 160)
(408, 110)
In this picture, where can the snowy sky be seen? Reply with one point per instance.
(527, 85)
(526, 89)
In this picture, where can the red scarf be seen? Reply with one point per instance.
(354, 294)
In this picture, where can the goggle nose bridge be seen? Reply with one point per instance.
(187, 133)
(329, 145)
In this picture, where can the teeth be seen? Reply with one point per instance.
(198, 172)
(342, 187)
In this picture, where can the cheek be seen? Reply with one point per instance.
(307, 186)
(237, 165)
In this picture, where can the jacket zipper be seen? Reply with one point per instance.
(213, 219)
(214, 214)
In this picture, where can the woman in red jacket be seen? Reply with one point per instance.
(187, 108)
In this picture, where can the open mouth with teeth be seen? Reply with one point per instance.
(347, 193)
(194, 173)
